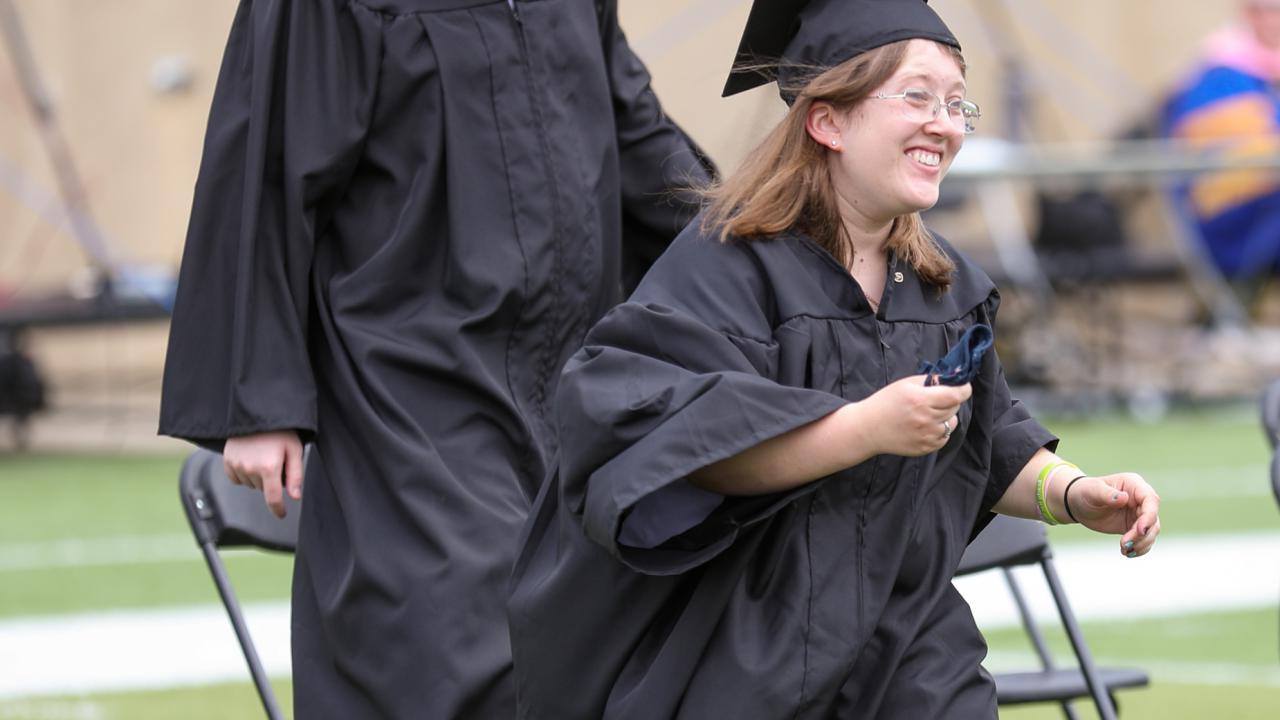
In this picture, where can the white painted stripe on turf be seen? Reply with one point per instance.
(52, 710)
(1188, 672)
(1192, 673)
(196, 646)
(146, 649)
(1181, 575)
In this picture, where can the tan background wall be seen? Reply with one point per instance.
(138, 149)
(135, 148)
(1092, 64)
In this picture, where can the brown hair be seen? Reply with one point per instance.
(785, 182)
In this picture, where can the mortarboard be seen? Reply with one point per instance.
(784, 38)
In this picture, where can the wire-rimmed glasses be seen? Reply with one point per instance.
(922, 106)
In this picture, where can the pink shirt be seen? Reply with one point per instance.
(1238, 48)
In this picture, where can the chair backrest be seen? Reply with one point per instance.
(222, 515)
(1007, 541)
(230, 515)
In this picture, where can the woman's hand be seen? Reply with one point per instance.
(270, 462)
(907, 418)
(1120, 504)
(904, 418)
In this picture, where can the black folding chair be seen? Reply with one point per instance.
(1006, 543)
(224, 515)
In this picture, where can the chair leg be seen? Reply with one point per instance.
(1275, 475)
(223, 583)
(1101, 695)
(1271, 424)
(1033, 632)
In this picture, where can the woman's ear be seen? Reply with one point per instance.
(823, 125)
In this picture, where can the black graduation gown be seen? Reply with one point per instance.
(408, 214)
(832, 600)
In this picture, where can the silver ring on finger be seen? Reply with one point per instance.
(946, 429)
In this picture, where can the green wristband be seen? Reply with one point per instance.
(1041, 482)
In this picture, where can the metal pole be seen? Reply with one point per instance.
(69, 185)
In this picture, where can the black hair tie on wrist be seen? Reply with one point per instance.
(1066, 503)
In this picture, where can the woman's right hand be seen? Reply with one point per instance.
(270, 462)
(906, 417)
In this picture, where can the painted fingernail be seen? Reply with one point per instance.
(1131, 554)
(1128, 545)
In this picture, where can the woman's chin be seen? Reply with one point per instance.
(920, 200)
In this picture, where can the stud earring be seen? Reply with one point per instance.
(835, 143)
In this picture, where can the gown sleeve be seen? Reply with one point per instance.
(1015, 437)
(674, 380)
(290, 109)
(659, 162)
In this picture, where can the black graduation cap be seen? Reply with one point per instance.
(785, 38)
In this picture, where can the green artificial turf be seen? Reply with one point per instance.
(1211, 468)
(82, 533)
(1244, 637)
(210, 702)
(1185, 439)
(219, 702)
(1203, 665)
(1171, 702)
(256, 577)
(47, 497)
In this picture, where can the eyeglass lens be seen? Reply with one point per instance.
(923, 106)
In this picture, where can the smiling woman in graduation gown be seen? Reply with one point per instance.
(768, 603)
(408, 214)
(760, 504)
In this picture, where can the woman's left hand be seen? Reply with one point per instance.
(1120, 504)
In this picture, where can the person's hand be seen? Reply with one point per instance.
(270, 462)
(907, 418)
(1121, 504)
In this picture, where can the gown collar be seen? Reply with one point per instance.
(907, 297)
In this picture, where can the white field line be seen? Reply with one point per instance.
(1161, 670)
(1181, 575)
(136, 650)
(51, 709)
(158, 648)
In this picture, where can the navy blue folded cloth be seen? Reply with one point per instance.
(962, 361)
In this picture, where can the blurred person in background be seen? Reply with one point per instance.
(1232, 99)
(22, 389)
(408, 214)
(762, 496)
